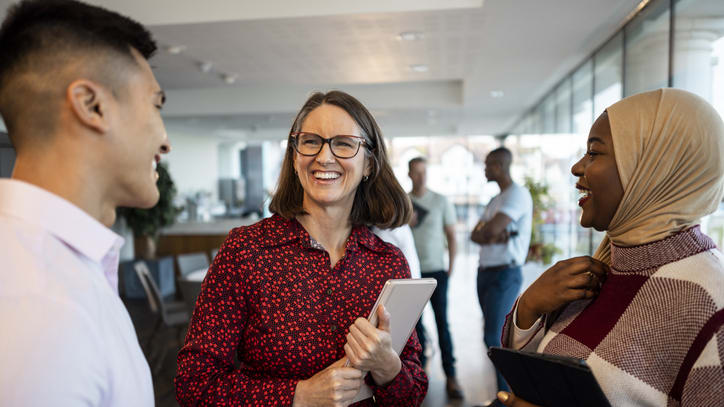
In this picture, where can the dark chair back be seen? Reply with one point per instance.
(149, 286)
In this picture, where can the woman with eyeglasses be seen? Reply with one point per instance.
(288, 295)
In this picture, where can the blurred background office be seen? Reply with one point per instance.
(446, 79)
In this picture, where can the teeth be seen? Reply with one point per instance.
(326, 175)
(154, 164)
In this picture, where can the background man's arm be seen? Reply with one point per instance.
(492, 231)
(451, 246)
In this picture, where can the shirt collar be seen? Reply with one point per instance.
(288, 230)
(59, 217)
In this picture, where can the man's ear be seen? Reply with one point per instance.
(90, 103)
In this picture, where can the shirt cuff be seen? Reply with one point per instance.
(394, 389)
(522, 337)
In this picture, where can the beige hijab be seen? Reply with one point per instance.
(669, 147)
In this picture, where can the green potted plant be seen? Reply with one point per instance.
(539, 251)
(146, 223)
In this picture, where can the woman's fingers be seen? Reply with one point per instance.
(383, 318)
(362, 339)
(584, 280)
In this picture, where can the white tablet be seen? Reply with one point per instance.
(404, 299)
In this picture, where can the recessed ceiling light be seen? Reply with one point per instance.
(419, 68)
(205, 66)
(175, 49)
(496, 94)
(229, 78)
(410, 36)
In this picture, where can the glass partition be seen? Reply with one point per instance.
(607, 74)
(647, 50)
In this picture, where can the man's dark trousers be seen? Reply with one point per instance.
(498, 287)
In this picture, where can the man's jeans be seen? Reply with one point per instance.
(439, 306)
(497, 291)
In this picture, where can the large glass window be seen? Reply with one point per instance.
(549, 114)
(563, 107)
(582, 82)
(607, 79)
(699, 49)
(699, 67)
(647, 50)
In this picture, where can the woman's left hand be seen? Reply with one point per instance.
(370, 349)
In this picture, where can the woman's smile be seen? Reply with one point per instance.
(585, 195)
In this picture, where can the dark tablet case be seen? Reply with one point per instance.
(549, 380)
(421, 212)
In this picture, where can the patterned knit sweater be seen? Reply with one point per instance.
(655, 334)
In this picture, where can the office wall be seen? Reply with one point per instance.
(194, 163)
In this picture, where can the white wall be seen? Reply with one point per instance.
(193, 163)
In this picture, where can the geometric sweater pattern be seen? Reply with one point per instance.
(654, 336)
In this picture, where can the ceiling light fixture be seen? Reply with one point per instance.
(496, 94)
(205, 66)
(419, 68)
(410, 36)
(229, 78)
(175, 49)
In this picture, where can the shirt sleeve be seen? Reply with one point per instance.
(407, 245)
(517, 203)
(207, 375)
(449, 217)
(53, 357)
(516, 338)
(409, 387)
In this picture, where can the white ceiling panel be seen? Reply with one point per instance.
(276, 52)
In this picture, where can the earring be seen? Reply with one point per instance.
(365, 178)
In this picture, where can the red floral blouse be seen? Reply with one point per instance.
(271, 300)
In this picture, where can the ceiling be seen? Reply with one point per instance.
(278, 51)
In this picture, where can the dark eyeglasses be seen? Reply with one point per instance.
(342, 146)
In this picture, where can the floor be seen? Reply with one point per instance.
(475, 372)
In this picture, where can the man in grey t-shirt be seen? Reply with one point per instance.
(503, 234)
(432, 226)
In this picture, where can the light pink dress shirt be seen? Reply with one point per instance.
(66, 338)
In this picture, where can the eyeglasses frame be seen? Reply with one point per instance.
(296, 134)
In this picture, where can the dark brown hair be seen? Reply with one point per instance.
(415, 161)
(379, 201)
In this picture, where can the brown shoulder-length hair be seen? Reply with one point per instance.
(379, 201)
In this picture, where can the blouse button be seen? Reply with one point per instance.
(329, 291)
(333, 328)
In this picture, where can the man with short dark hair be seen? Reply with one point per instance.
(82, 109)
(503, 234)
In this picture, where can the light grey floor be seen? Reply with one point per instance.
(474, 369)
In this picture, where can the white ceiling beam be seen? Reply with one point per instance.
(165, 12)
(266, 99)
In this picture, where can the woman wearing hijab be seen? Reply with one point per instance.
(288, 296)
(647, 311)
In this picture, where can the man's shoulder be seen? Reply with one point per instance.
(518, 191)
(436, 197)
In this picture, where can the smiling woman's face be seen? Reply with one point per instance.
(328, 180)
(598, 178)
